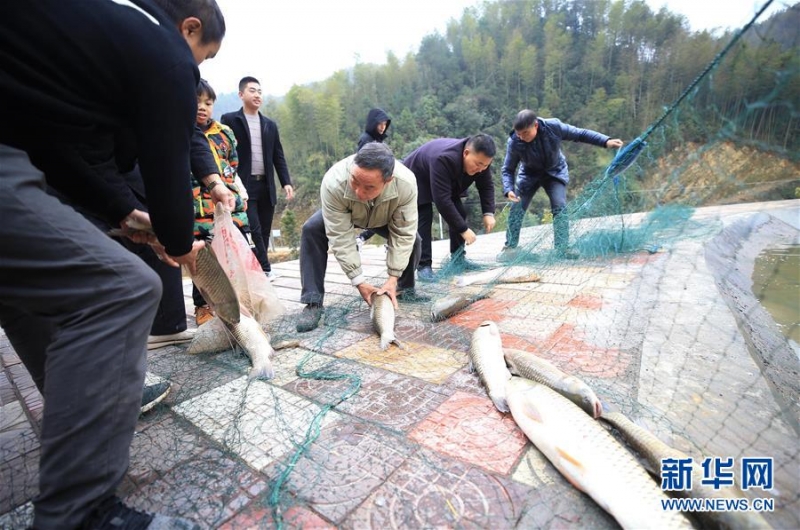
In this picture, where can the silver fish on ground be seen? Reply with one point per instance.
(589, 457)
(654, 450)
(486, 358)
(217, 335)
(514, 274)
(535, 368)
(381, 313)
(216, 287)
(251, 337)
(448, 306)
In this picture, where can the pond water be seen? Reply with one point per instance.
(776, 284)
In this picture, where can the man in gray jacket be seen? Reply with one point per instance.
(367, 190)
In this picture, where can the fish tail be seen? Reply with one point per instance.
(399, 344)
(263, 370)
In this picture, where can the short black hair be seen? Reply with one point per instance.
(207, 11)
(203, 88)
(247, 79)
(482, 143)
(376, 155)
(526, 118)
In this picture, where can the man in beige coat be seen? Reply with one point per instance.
(367, 190)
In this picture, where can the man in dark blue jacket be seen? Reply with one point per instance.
(535, 146)
(86, 89)
(445, 168)
(260, 156)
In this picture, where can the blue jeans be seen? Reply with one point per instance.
(557, 193)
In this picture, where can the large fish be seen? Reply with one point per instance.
(486, 358)
(515, 274)
(212, 281)
(382, 315)
(654, 450)
(535, 368)
(589, 457)
(217, 335)
(448, 306)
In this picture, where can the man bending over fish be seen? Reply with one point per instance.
(367, 190)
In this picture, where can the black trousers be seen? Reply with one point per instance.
(425, 226)
(77, 308)
(260, 211)
(314, 260)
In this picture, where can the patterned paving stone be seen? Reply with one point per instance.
(429, 491)
(192, 375)
(394, 401)
(570, 353)
(20, 517)
(257, 421)
(160, 446)
(7, 394)
(586, 301)
(286, 363)
(18, 480)
(429, 363)
(208, 489)
(532, 329)
(18, 441)
(334, 381)
(12, 417)
(443, 335)
(328, 340)
(344, 465)
(487, 309)
(257, 515)
(470, 428)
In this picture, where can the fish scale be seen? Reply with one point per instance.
(589, 457)
(382, 316)
(535, 368)
(486, 358)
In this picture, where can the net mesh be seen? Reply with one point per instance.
(657, 314)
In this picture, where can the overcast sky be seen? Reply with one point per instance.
(287, 42)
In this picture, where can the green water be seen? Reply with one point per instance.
(776, 284)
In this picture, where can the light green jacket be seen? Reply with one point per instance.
(395, 208)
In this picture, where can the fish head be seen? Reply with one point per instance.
(582, 395)
(487, 333)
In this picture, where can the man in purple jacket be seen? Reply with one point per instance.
(535, 146)
(445, 168)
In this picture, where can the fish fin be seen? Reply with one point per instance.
(265, 372)
(398, 344)
(385, 344)
(500, 403)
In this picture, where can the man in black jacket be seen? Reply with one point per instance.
(76, 306)
(260, 155)
(445, 168)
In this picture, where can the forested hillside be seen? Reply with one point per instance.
(612, 66)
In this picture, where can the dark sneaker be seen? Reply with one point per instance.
(412, 295)
(508, 254)
(309, 318)
(426, 274)
(154, 394)
(112, 514)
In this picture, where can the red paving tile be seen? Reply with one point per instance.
(258, 515)
(470, 428)
(481, 310)
(567, 351)
(585, 301)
